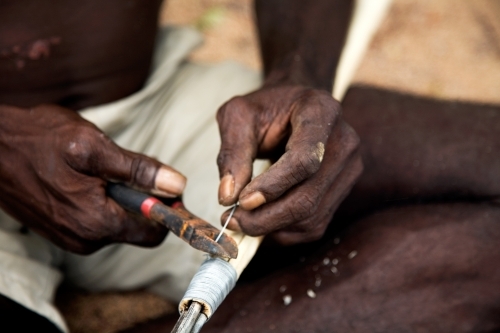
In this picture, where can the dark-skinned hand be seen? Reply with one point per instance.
(315, 155)
(54, 168)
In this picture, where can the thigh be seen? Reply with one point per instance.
(418, 149)
(429, 268)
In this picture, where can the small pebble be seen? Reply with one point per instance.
(311, 293)
(334, 270)
(336, 240)
(287, 299)
(282, 289)
(352, 254)
(335, 261)
(326, 261)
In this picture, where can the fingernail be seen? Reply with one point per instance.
(234, 225)
(164, 194)
(252, 200)
(226, 190)
(169, 181)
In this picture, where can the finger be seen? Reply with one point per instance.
(238, 149)
(302, 202)
(312, 120)
(314, 227)
(124, 227)
(91, 152)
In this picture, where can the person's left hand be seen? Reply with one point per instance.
(316, 161)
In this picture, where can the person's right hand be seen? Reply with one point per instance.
(54, 167)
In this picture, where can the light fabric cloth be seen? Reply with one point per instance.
(173, 119)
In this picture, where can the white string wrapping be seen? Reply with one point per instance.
(210, 285)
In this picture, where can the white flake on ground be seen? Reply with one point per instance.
(282, 289)
(352, 254)
(317, 283)
(334, 270)
(311, 293)
(287, 299)
(326, 261)
(335, 261)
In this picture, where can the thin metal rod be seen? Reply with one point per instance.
(188, 318)
(202, 319)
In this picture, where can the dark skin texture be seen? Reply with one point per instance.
(58, 164)
(74, 53)
(294, 121)
(425, 260)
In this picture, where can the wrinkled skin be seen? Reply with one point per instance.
(293, 121)
(55, 58)
(55, 178)
(315, 155)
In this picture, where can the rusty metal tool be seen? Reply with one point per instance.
(196, 232)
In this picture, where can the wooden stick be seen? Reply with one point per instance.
(247, 246)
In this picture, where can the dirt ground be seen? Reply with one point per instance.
(447, 49)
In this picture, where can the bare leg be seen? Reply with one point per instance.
(416, 149)
(426, 268)
(422, 268)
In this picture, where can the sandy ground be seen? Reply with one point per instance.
(447, 49)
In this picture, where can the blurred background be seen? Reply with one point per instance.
(447, 49)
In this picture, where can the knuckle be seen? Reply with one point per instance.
(351, 138)
(223, 157)
(307, 163)
(314, 232)
(304, 208)
(233, 108)
(141, 171)
(80, 149)
(323, 100)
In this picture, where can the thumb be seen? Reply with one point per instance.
(103, 158)
(238, 149)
